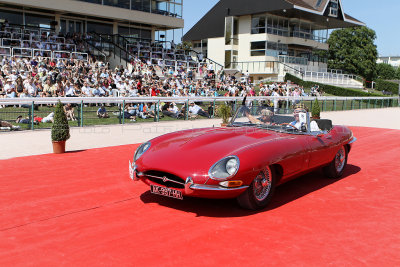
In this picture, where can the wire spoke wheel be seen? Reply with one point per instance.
(262, 185)
(340, 160)
(336, 168)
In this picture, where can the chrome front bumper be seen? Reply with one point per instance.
(352, 140)
(190, 186)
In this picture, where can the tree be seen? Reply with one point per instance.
(385, 71)
(185, 46)
(353, 50)
(398, 73)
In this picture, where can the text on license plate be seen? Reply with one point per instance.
(164, 191)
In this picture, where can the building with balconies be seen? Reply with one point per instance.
(142, 19)
(272, 37)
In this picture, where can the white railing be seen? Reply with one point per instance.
(22, 52)
(293, 60)
(334, 78)
(42, 53)
(29, 52)
(5, 51)
(108, 100)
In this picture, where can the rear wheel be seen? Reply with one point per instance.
(336, 168)
(260, 192)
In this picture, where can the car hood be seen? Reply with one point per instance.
(193, 152)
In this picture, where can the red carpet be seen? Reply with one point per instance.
(81, 209)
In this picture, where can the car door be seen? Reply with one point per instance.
(320, 147)
(293, 159)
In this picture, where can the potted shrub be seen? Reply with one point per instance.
(60, 130)
(315, 112)
(224, 111)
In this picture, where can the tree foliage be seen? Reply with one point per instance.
(353, 50)
(316, 111)
(185, 46)
(386, 71)
(60, 129)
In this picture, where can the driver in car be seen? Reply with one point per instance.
(266, 117)
(300, 126)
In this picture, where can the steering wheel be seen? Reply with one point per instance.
(288, 124)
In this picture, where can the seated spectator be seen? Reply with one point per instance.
(69, 111)
(197, 110)
(102, 112)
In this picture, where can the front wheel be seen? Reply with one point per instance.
(260, 192)
(336, 168)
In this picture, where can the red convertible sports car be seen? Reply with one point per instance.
(246, 160)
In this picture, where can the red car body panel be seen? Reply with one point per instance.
(191, 153)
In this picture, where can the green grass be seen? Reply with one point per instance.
(90, 118)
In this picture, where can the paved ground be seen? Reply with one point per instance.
(17, 144)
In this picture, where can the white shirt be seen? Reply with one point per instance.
(194, 109)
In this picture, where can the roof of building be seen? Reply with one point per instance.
(212, 24)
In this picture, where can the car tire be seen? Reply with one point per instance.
(336, 168)
(260, 192)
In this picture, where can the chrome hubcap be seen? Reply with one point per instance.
(340, 160)
(262, 185)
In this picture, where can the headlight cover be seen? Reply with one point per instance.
(224, 168)
(140, 150)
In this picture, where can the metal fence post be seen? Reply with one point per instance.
(81, 114)
(334, 105)
(368, 103)
(32, 115)
(123, 112)
(382, 100)
(235, 106)
(158, 111)
(375, 103)
(360, 104)
(187, 110)
(120, 114)
(213, 115)
(345, 104)
(324, 105)
(352, 104)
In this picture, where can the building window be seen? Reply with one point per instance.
(99, 27)
(276, 49)
(333, 8)
(93, 1)
(11, 16)
(38, 20)
(257, 49)
(277, 26)
(258, 25)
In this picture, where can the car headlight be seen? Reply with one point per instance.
(224, 168)
(140, 150)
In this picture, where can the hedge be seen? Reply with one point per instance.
(382, 85)
(329, 89)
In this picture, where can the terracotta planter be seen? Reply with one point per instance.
(58, 147)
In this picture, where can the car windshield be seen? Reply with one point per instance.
(292, 121)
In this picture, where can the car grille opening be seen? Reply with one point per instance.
(165, 179)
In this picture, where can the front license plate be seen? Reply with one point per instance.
(167, 192)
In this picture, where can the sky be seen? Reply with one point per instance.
(383, 18)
